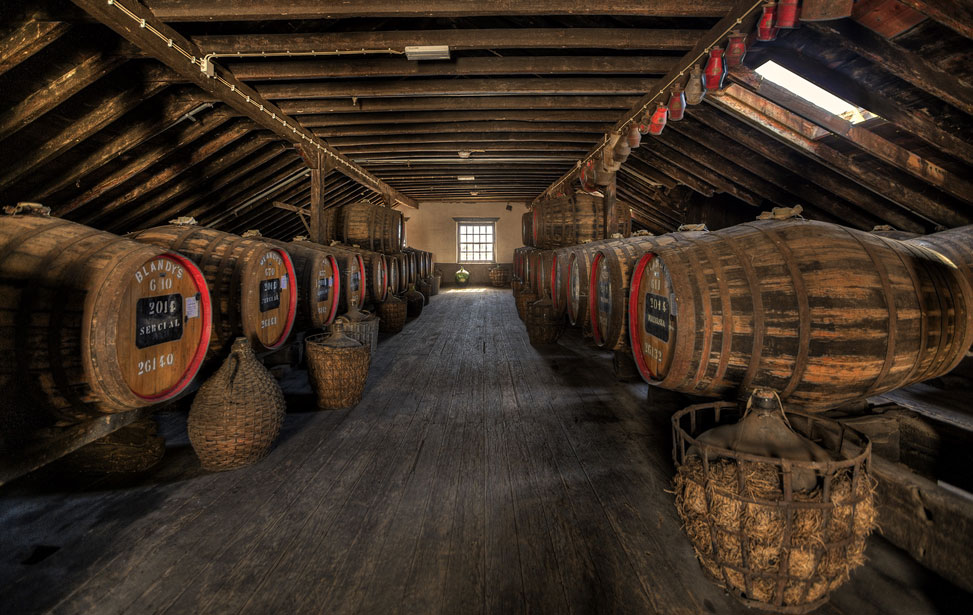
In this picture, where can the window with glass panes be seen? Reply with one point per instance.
(475, 241)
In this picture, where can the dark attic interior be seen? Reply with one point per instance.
(486, 306)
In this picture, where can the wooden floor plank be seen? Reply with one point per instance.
(478, 475)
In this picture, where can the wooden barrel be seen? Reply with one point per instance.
(376, 273)
(251, 282)
(395, 284)
(318, 285)
(575, 219)
(955, 244)
(608, 281)
(518, 264)
(559, 280)
(351, 266)
(531, 267)
(411, 268)
(823, 314)
(542, 273)
(370, 226)
(526, 229)
(578, 274)
(91, 322)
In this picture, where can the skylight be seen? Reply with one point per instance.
(815, 95)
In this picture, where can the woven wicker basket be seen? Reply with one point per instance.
(133, 448)
(771, 546)
(237, 414)
(524, 299)
(338, 368)
(363, 328)
(436, 282)
(392, 314)
(500, 276)
(543, 326)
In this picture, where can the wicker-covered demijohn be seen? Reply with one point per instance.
(500, 276)
(525, 298)
(777, 533)
(414, 301)
(358, 325)
(424, 287)
(544, 327)
(391, 314)
(338, 368)
(133, 448)
(237, 414)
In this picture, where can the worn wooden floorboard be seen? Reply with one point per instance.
(478, 475)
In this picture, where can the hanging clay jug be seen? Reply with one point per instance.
(694, 88)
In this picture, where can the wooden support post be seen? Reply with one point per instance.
(319, 170)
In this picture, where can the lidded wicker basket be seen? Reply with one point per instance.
(524, 299)
(544, 327)
(770, 544)
(237, 414)
(338, 368)
(392, 314)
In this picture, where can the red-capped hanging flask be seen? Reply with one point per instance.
(677, 104)
(658, 120)
(715, 70)
(736, 49)
(786, 14)
(765, 25)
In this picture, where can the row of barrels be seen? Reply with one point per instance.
(823, 314)
(91, 322)
(366, 225)
(575, 219)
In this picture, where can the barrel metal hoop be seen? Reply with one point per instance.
(921, 302)
(889, 298)
(707, 311)
(726, 308)
(943, 311)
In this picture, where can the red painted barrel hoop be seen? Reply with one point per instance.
(292, 288)
(634, 333)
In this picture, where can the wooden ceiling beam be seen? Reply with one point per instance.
(917, 122)
(802, 191)
(461, 127)
(561, 86)
(462, 140)
(482, 103)
(647, 211)
(750, 107)
(89, 69)
(145, 158)
(458, 40)
(281, 166)
(105, 111)
(817, 174)
(332, 68)
(483, 148)
(195, 181)
(649, 199)
(862, 138)
(957, 15)
(138, 25)
(28, 38)
(523, 118)
(277, 189)
(213, 184)
(888, 56)
(264, 10)
(674, 171)
(719, 181)
(159, 177)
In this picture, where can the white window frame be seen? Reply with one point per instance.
(492, 223)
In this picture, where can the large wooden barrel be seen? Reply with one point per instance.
(823, 314)
(395, 285)
(367, 225)
(559, 280)
(318, 285)
(542, 273)
(351, 265)
(955, 244)
(91, 322)
(252, 283)
(376, 273)
(526, 228)
(578, 274)
(575, 219)
(608, 281)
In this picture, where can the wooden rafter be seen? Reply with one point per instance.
(163, 43)
(481, 38)
(432, 103)
(263, 10)
(751, 107)
(400, 67)
(27, 39)
(954, 14)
